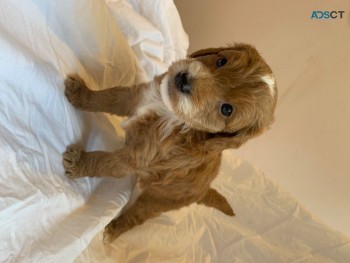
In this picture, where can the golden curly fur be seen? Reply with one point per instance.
(178, 126)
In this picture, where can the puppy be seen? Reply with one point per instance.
(178, 126)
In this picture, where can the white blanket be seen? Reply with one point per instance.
(45, 217)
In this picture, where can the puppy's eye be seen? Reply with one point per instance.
(226, 109)
(221, 62)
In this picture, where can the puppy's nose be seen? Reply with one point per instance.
(182, 82)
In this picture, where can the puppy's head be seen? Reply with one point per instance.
(229, 93)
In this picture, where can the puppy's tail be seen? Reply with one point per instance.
(214, 199)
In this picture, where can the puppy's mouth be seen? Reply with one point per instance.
(175, 90)
(179, 83)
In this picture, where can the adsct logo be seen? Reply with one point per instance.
(327, 14)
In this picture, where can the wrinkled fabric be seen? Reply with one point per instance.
(45, 217)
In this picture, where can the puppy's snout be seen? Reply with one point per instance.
(182, 82)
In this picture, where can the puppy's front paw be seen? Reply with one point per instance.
(70, 161)
(76, 90)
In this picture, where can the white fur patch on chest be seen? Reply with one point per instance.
(152, 103)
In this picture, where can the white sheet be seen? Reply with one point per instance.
(44, 217)
(153, 30)
(41, 212)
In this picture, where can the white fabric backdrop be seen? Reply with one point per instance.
(44, 217)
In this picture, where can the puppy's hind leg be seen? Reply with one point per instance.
(78, 163)
(145, 207)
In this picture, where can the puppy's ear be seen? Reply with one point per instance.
(237, 46)
(207, 51)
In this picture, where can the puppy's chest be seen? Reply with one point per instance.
(150, 134)
(146, 141)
